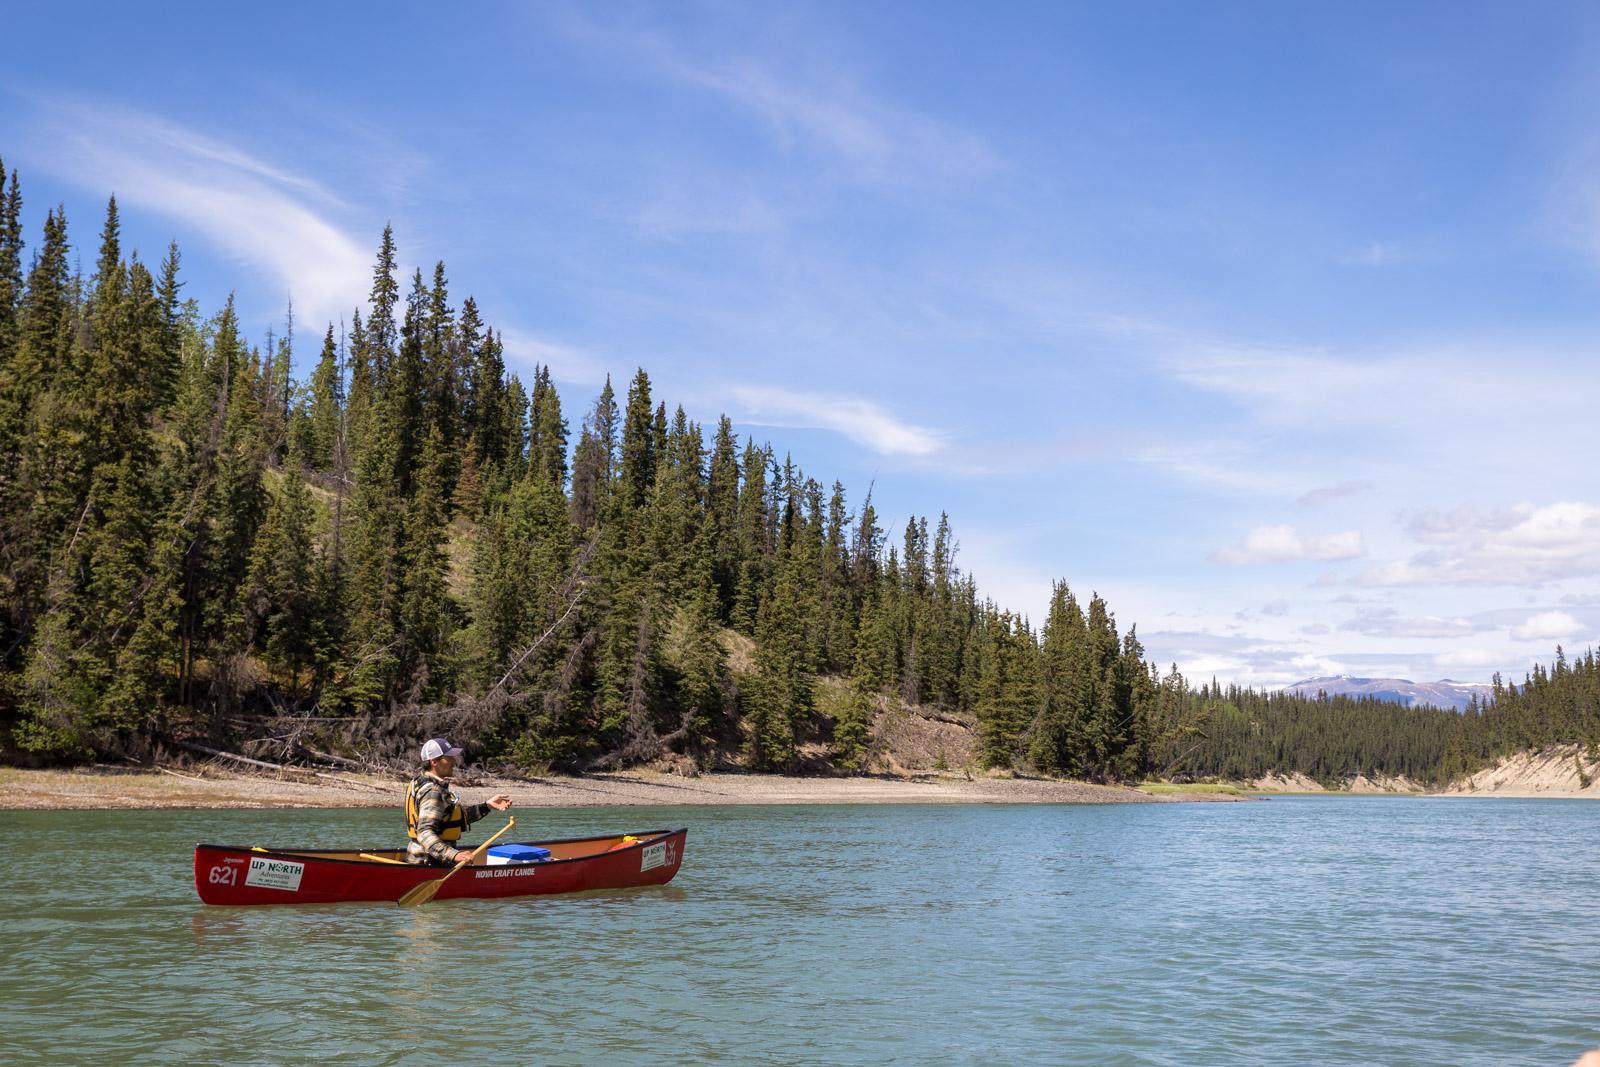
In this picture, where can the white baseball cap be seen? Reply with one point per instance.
(437, 748)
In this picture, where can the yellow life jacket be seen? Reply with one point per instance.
(454, 823)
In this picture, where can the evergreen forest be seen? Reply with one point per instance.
(407, 538)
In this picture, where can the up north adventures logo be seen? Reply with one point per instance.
(274, 874)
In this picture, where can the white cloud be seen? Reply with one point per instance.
(1242, 659)
(862, 421)
(1201, 668)
(1318, 666)
(802, 105)
(256, 211)
(1547, 626)
(1526, 545)
(1280, 544)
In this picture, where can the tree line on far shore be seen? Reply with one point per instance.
(197, 544)
(1214, 731)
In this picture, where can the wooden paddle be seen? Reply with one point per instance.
(421, 894)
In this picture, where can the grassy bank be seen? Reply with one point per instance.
(1193, 789)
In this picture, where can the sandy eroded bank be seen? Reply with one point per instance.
(1557, 771)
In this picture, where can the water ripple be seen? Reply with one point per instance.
(1328, 931)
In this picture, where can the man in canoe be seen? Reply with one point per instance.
(435, 817)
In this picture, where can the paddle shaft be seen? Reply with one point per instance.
(425, 892)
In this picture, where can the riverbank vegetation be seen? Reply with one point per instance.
(326, 552)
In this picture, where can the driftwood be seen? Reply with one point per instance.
(217, 753)
(353, 785)
(264, 765)
(180, 774)
(642, 749)
(280, 738)
(328, 757)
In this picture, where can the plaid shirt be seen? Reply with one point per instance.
(435, 799)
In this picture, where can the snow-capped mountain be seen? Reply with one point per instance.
(1441, 694)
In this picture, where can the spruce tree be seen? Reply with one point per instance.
(168, 291)
(442, 371)
(547, 449)
(11, 245)
(326, 407)
(704, 685)
(1061, 741)
(593, 462)
(280, 591)
(674, 520)
(427, 615)
(513, 431)
(722, 512)
(755, 540)
(381, 334)
(236, 507)
(638, 444)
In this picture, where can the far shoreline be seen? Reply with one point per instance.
(111, 788)
(211, 787)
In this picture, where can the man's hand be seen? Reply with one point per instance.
(499, 802)
(462, 854)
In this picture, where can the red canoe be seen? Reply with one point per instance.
(225, 874)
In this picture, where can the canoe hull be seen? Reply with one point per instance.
(231, 875)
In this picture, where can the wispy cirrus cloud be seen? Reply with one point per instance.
(1283, 544)
(1325, 494)
(286, 224)
(567, 363)
(1389, 623)
(1373, 254)
(1228, 467)
(258, 212)
(1507, 386)
(804, 107)
(863, 421)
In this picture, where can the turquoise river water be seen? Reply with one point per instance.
(1334, 930)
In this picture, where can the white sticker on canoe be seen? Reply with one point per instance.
(274, 874)
(653, 856)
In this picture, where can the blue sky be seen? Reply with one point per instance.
(1274, 324)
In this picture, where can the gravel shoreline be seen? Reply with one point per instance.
(114, 788)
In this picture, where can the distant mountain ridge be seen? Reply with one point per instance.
(1441, 694)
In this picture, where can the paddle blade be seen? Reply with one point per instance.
(420, 894)
(427, 890)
